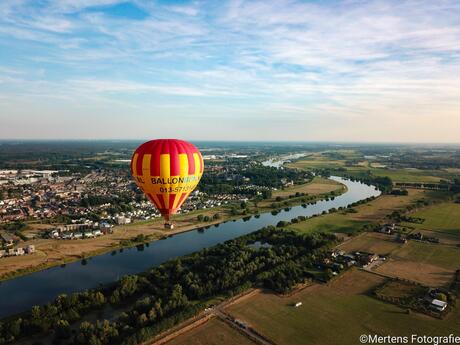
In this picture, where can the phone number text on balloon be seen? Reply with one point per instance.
(177, 189)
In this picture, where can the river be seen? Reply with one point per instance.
(20, 294)
(278, 162)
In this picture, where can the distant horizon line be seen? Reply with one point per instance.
(228, 141)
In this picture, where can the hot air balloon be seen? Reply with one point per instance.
(167, 171)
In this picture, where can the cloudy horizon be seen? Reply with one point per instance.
(342, 71)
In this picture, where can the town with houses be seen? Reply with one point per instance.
(87, 204)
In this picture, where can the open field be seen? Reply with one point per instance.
(443, 217)
(319, 185)
(335, 222)
(386, 204)
(401, 289)
(427, 274)
(336, 313)
(403, 175)
(318, 161)
(316, 188)
(429, 264)
(373, 211)
(443, 256)
(371, 242)
(443, 237)
(213, 332)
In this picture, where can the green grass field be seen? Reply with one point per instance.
(443, 237)
(447, 257)
(350, 223)
(317, 189)
(371, 242)
(397, 175)
(315, 163)
(330, 223)
(336, 314)
(407, 175)
(401, 289)
(318, 185)
(443, 217)
(430, 264)
(213, 332)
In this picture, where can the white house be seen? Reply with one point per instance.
(121, 220)
(438, 305)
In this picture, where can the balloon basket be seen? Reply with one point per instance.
(169, 226)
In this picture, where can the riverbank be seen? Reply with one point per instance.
(51, 252)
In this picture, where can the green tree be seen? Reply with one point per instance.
(441, 296)
(62, 329)
(128, 285)
(142, 319)
(115, 298)
(282, 224)
(14, 327)
(98, 298)
(152, 314)
(267, 194)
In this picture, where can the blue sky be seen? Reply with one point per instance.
(232, 70)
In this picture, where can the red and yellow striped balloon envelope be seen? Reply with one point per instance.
(167, 171)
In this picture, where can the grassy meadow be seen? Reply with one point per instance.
(371, 242)
(357, 165)
(318, 185)
(334, 313)
(213, 332)
(443, 217)
(350, 223)
(430, 264)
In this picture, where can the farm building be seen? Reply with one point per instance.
(438, 305)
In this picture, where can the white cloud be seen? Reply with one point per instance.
(187, 10)
(348, 60)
